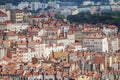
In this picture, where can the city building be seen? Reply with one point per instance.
(88, 2)
(17, 16)
(96, 42)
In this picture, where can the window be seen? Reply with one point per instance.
(82, 76)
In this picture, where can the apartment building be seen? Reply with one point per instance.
(97, 42)
(17, 16)
(62, 55)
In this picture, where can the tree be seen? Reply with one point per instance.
(59, 16)
(105, 18)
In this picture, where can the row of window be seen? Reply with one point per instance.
(93, 42)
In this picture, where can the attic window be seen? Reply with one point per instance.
(82, 76)
(64, 59)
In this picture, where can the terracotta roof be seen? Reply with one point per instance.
(21, 42)
(11, 33)
(38, 16)
(2, 14)
(35, 73)
(4, 72)
(20, 71)
(90, 73)
(59, 73)
(77, 43)
(112, 26)
(52, 72)
(6, 58)
(67, 65)
(96, 75)
(94, 36)
(6, 22)
(92, 31)
(70, 47)
(22, 36)
(45, 66)
(28, 74)
(12, 71)
(99, 60)
(33, 29)
(18, 11)
(1, 41)
(10, 66)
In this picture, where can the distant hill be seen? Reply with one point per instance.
(15, 2)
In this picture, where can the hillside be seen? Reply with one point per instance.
(15, 2)
(104, 18)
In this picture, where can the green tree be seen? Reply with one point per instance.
(59, 16)
(105, 18)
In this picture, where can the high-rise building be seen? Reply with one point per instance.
(17, 16)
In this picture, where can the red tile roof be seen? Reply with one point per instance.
(112, 26)
(6, 58)
(11, 33)
(18, 11)
(2, 14)
(99, 60)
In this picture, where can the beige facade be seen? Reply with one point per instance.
(78, 36)
(96, 44)
(83, 77)
(17, 16)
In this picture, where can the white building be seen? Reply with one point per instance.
(9, 6)
(49, 76)
(111, 29)
(55, 47)
(23, 5)
(36, 18)
(37, 5)
(17, 26)
(65, 11)
(36, 38)
(71, 38)
(27, 56)
(114, 45)
(74, 11)
(3, 52)
(3, 16)
(97, 44)
(53, 4)
(111, 2)
(39, 48)
(63, 41)
(78, 46)
(5, 13)
(65, 28)
(85, 3)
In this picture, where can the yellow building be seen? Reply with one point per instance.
(61, 55)
(83, 77)
(109, 60)
(117, 57)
